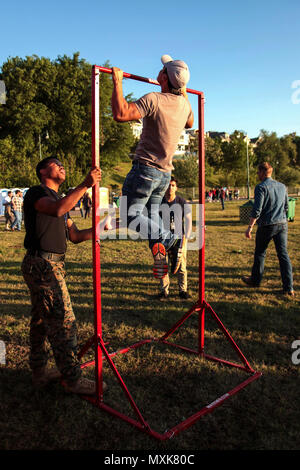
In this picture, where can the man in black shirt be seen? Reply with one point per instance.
(48, 227)
(176, 212)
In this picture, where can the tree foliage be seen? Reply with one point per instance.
(48, 112)
(227, 162)
(282, 153)
(186, 170)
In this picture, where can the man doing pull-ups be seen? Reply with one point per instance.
(165, 114)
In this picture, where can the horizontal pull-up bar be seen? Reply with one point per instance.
(142, 79)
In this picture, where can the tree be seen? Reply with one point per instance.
(213, 153)
(15, 170)
(268, 149)
(296, 140)
(186, 171)
(54, 98)
(289, 148)
(290, 176)
(235, 158)
(281, 153)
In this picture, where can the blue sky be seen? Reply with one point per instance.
(244, 56)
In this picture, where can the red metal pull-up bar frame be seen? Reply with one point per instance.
(201, 307)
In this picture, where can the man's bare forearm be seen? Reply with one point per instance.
(252, 222)
(48, 206)
(68, 202)
(60, 207)
(118, 102)
(78, 236)
(121, 109)
(250, 227)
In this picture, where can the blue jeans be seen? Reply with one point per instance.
(18, 220)
(144, 187)
(264, 234)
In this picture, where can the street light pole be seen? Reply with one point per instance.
(40, 145)
(46, 135)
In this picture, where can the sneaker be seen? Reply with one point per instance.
(183, 294)
(163, 295)
(249, 282)
(83, 387)
(176, 254)
(43, 376)
(160, 267)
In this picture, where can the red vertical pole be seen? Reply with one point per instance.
(96, 245)
(201, 154)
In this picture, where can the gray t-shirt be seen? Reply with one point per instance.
(164, 118)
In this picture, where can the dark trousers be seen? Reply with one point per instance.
(277, 233)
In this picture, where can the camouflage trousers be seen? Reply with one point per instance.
(52, 317)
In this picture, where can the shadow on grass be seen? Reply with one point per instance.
(10, 268)
(167, 388)
(135, 305)
(50, 419)
(135, 301)
(222, 223)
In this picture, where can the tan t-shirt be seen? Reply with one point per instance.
(164, 118)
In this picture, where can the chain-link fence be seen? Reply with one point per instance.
(233, 194)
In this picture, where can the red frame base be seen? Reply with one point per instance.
(140, 422)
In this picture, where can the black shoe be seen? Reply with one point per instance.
(163, 295)
(249, 282)
(183, 295)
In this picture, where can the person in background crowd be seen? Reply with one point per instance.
(270, 212)
(180, 220)
(87, 204)
(17, 206)
(222, 198)
(8, 213)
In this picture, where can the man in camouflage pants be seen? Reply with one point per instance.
(48, 227)
(52, 317)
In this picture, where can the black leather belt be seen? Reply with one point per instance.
(47, 255)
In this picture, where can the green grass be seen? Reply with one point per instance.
(167, 384)
(116, 177)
